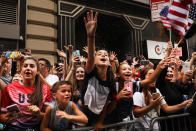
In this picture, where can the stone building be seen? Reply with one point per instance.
(45, 25)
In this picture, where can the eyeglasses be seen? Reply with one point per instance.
(40, 64)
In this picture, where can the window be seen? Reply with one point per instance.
(8, 9)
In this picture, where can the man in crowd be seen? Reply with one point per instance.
(45, 67)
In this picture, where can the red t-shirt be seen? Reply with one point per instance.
(16, 93)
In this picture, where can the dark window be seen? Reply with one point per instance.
(8, 11)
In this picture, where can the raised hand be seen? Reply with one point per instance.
(164, 63)
(189, 74)
(169, 46)
(28, 51)
(83, 59)
(69, 48)
(3, 59)
(91, 23)
(61, 53)
(75, 59)
(194, 55)
(20, 57)
(135, 61)
(113, 56)
(85, 49)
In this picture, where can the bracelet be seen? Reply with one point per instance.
(116, 99)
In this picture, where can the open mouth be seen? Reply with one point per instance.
(67, 97)
(27, 73)
(170, 76)
(103, 59)
(81, 75)
(127, 75)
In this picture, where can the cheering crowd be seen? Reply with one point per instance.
(93, 91)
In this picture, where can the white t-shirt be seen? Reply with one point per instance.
(96, 95)
(138, 100)
(52, 79)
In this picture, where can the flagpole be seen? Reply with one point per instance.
(179, 42)
(170, 34)
(187, 44)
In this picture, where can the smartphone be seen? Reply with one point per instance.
(76, 53)
(11, 54)
(144, 62)
(155, 95)
(13, 107)
(185, 66)
(56, 65)
(129, 86)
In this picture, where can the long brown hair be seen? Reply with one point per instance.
(37, 96)
(75, 90)
(145, 90)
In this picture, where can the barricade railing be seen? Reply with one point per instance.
(180, 122)
(121, 126)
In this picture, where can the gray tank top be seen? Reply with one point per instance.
(56, 123)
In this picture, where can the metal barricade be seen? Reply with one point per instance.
(122, 126)
(181, 122)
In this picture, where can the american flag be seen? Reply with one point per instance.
(178, 16)
(164, 19)
(192, 16)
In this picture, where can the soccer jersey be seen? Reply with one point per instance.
(16, 93)
(97, 91)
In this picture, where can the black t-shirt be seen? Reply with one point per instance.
(172, 91)
(123, 108)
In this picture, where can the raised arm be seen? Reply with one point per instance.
(64, 56)
(69, 48)
(169, 49)
(163, 64)
(73, 68)
(114, 61)
(176, 67)
(91, 25)
(3, 60)
(193, 59)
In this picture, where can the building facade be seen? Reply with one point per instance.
(45, 25)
